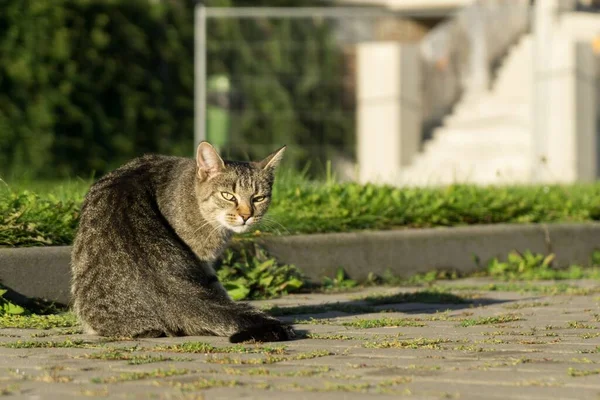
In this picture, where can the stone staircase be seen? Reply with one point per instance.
(486, 139)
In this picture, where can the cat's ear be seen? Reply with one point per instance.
(208, 161)
(272, 160)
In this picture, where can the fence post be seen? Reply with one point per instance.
(199, 75)
(389, 115)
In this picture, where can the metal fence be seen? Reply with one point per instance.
(272, 76)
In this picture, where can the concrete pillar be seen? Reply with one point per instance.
(389, 115)
(552, 88)
(478, 80)
(570, 112)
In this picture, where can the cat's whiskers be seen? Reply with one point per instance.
(271, 222)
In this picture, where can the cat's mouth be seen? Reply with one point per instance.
(239, 228)
(238, 225)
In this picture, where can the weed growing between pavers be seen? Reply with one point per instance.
(76, 344)
(583, 360)
(332, 336)
(204, 383)
(64, 320)
(388, 386)
(589, 335)
(134, 376)
(582, 372)
(579, 325)
(132, 359)
(262, 371)
(52, 375)
(418, 343)
(269, 358)
(519, 287)
(383, 322)
(205, 348)
(518, 306)
(500, 319)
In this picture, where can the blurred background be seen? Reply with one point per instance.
(401, 92)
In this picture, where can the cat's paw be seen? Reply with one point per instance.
(267, 332)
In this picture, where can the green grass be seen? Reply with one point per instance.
(383, 322)
(33, 214)
(134, 376)
(77, 344)
(500, 319)
(64, 320)
(418, 343)
(205, 348)
(132, 359)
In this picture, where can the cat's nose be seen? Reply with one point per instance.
(245, 216)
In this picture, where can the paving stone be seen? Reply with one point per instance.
(551, 352)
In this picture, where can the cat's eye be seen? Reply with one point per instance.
(228, 196)
(258, 199)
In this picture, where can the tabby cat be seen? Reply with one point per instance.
(149, 233)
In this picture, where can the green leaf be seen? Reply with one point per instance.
(237, 292)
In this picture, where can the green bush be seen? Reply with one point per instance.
(87, 84)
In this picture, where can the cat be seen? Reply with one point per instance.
(149, 233)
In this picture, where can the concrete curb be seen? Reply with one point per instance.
(44, 271)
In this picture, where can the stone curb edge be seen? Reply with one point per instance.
(44, 271)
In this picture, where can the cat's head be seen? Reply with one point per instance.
(233, 194)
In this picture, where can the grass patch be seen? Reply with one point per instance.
(204, 383)
(205, 348)
(528, 287)
(500, 319)
(50, 215)
(136, 376)
(332, 336)
(269, 358)
(579, 325)
(419, 343)
(533, 266)
(582, 372)
(64, 320)
(77, 344)
(383, 322)
(132, 359)
(519, 306)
